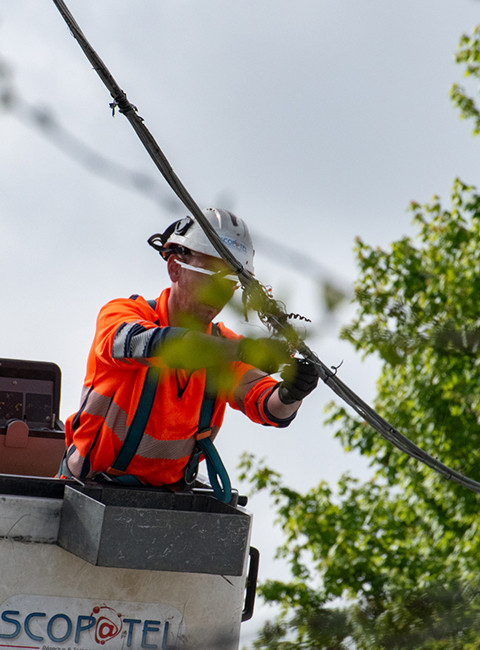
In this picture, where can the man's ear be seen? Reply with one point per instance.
(173, 268)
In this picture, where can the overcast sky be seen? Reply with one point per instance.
(316, 121)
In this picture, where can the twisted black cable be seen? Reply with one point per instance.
(256, 295)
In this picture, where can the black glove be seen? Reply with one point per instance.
(300, 377)
(265, 354)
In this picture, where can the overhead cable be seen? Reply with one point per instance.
(121, 102)
(269, 310)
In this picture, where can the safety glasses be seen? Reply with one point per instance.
(221, 275)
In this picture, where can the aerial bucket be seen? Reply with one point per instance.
(86, 566)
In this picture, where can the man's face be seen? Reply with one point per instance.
(200, 296)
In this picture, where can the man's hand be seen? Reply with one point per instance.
(299, 377)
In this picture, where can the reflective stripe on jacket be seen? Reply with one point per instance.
(127, 330)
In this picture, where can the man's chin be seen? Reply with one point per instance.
(209, 312)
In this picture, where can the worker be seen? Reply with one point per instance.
(154, 365)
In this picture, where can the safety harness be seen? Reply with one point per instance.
(217, 473)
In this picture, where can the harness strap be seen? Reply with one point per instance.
(217, 473)
(122, 478)
(117, 471)
(153, 304)
(64, 470)
(138, 424)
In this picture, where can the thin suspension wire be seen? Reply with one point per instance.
(269, 310)
(121, 101)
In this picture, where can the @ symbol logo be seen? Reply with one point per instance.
(109, 624)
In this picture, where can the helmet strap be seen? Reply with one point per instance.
(159, 240)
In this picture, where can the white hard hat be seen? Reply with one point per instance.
(233, 233)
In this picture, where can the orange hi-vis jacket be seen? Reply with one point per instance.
(128, 329)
